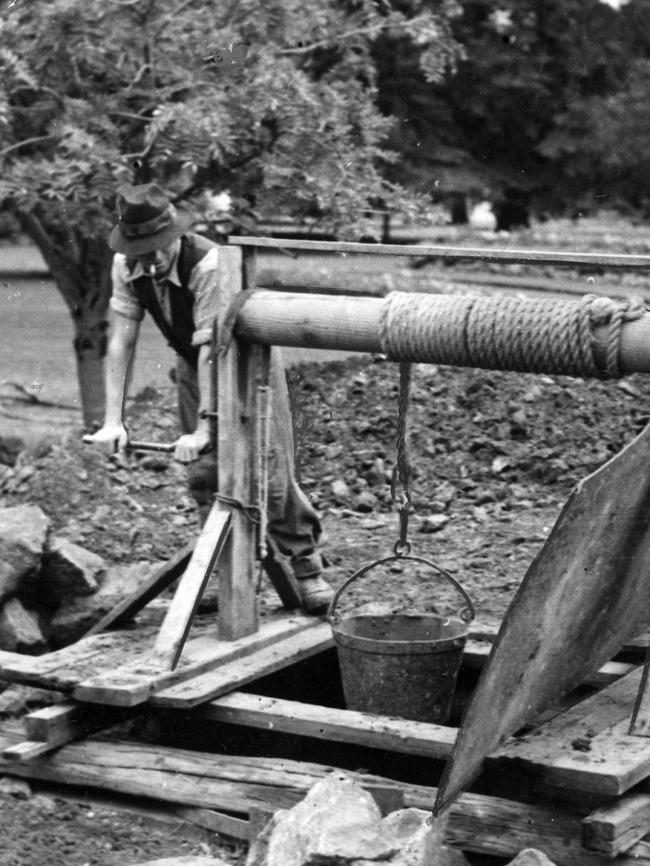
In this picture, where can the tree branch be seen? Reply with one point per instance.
(35, 140)
(340, 37)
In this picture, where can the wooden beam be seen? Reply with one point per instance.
(240, 370)
(484, 254)
(178, 620)
(162, 578)
(135, 683)
(614, 829)
(327, 723)
(239, 672)
(585, 749)
(240, 785)
(353, 324)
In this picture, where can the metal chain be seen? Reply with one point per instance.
(402, 471)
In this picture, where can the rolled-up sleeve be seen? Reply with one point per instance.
(204, 287)
(123, 298)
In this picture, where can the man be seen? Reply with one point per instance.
(162, 268)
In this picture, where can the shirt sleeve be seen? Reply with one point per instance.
(204, 288)
(123, 298)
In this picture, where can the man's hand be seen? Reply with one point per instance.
(112, 437)
(189, 446)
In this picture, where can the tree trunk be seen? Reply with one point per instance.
(82, 275)
(90, 349)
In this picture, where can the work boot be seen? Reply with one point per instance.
(315, 593)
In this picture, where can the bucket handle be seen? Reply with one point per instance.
(467, 613)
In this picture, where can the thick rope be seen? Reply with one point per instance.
(505, 333)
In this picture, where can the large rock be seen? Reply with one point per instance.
(23, 533)
(339, 824)
(20, 630)
(76, 615)
(69, 569)
(531, 857)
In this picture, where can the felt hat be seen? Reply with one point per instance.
(147, 220)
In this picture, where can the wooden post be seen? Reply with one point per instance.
(240, 369)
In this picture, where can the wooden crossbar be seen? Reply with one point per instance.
(485, 254)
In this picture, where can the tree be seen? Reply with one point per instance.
(521, 99)
(275, 101)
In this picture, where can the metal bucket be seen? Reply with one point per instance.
(401, 664)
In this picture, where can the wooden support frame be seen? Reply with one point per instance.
(239, 371)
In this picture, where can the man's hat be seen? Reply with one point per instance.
(147, 220)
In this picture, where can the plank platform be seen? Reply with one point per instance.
(241, 786)
(93, 669)
(585, 749)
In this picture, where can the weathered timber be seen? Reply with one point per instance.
(216, 822)
(640, 720)
(333, 725)
(585, 749)
(352, 324)
(63, 669)
(240, 786)
(162, 578)
(583, 596)
(133, 684)
(484, 254)
(178, 620)
(239, 672)
(238, 375)
(614, 829)
(476, 654)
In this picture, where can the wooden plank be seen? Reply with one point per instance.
(216, 822)
(134, 684)
(239, 370)
(484, 254)
(63, 669)
(585, 593)
(240, 785)
(326, 723)
(162, 578)
(240, 672)
(178, 620)
(50, 722)
(476, 654)
(585, 749)
(614, 829)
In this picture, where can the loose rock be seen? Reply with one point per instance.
(69, 569)
(20, 629)
(23, 533)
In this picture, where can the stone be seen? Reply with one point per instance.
(16, 788)
(433, 523)
(531, 857)
(337, 822)
(10, 448)
(69, 569)
(76, 615)
(340, 491)
(20, 630)
(365, 502)
(23, 533)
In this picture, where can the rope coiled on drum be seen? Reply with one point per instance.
(500, 333)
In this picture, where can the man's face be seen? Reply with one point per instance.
(157, 263)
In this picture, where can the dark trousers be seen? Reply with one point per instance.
(292, 521)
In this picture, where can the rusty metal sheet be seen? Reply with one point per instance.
(585, 594)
